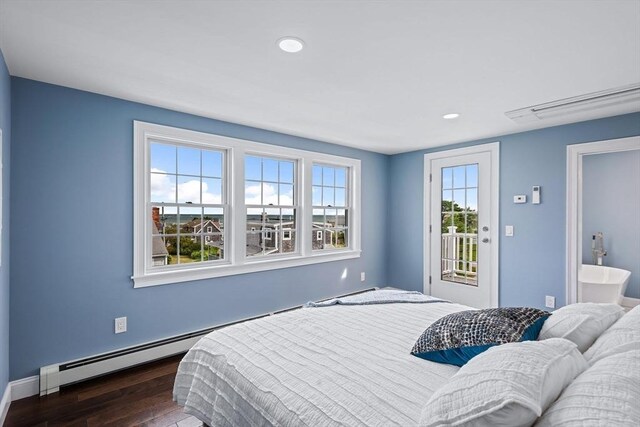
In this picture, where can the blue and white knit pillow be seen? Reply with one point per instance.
(458, 337)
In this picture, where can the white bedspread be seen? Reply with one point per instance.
(338, 365)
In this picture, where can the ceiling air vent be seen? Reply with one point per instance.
(628, 95)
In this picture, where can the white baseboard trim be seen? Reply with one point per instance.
(4, 403)
(16, 390)
(25, 387)
(630, 302)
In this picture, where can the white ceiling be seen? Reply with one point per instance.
(376, 75)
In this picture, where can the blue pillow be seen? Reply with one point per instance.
(456, 338)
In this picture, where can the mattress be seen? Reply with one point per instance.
(328, 366)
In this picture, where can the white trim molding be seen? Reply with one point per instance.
(494, 149)
(235, 260)
(575, 154)
(16, 390)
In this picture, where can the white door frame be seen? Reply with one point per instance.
(575, 154)
(494, 149)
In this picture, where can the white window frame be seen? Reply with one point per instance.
(286, 232)
(236, 261)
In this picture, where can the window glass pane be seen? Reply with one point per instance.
(339, 238)
(330, 217)
(269, 193)
(341, 218)
(340, 197)
(447, 199)
(252, 168)
(163, 188)
(288, 241)
(317, 196)
(214, 217)
(163, 219)
(188, 161)
(328, 176)
(472, 199)
(458, 177)
(163, 158)
(213, 247)
(212, 163)
(190, 249)
(286, 195)
(327, 196)
(317, 175)
(458, 200)
(447, 178)
(341, 177)
(189, 220)
(286, 172)
(459, 222)
(188, 189)
(472, 175)
(269, 170)
(211, 191)
(252, 193)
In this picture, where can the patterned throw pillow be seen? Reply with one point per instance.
(458, 337)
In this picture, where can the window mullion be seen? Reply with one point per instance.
(237, 207)
(305, 192)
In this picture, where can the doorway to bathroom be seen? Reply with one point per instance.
(603, 225)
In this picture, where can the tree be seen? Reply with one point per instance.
(466, 220)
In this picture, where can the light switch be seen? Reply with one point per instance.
(508, 230)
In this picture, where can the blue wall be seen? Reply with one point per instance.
(5, 125)
(532, 263)
(71, 211)
(611, 204)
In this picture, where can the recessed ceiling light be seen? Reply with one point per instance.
(451, 116)
(290, 44)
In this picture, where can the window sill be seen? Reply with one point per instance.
(168, 277)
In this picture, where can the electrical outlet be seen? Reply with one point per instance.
(549, 301)
(508, 230)
(362, 276)
(121, 325)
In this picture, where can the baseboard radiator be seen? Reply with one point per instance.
(52, 377)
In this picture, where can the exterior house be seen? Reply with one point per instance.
(266, 238)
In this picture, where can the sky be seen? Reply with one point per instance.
(460, 184)
(185, 174)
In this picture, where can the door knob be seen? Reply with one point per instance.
(485, 240)
(485, 228)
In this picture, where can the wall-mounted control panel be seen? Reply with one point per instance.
(535, 195)
(520, 198)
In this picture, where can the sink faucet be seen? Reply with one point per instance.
(597, 248)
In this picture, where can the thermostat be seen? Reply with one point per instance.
(520, 198)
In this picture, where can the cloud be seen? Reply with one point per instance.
(163, 189)
(270, 195)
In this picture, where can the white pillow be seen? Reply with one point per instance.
(622, 336)
(581, 323)
(507, 385)
(606, 394)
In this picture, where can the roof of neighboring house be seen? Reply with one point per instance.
(158, 247)
(197, 224)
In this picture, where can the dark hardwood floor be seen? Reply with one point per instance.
(140, 396)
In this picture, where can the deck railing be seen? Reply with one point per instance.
(459, 255)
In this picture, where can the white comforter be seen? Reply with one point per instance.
(339, 365)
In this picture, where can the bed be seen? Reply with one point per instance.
(333, 365)
(352, 365)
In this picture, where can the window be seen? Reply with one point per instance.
(208, 206)
(330, 191)
(185, 191)
(269, 197)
